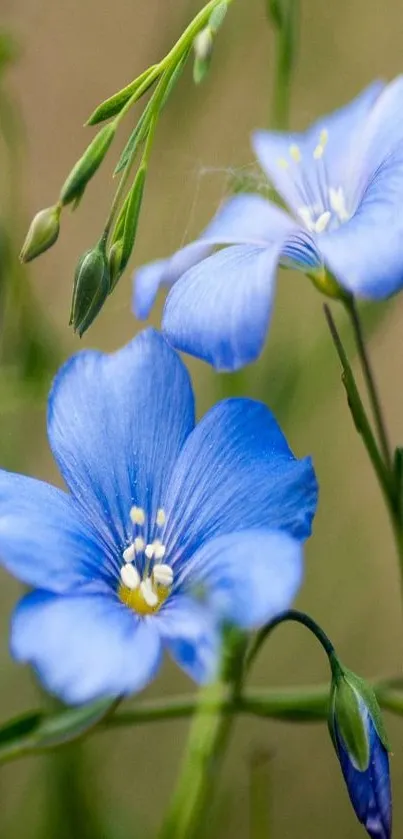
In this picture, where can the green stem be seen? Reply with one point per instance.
(283, 14)
(298, 704)
(297, 617)
(208, 738)
(369, 377)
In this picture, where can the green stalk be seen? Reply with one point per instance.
(208, 739)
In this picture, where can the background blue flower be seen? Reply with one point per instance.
(341, 182)
(167, 528)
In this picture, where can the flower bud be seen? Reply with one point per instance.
(91, 288)
(115, 262)
(361, 744)
(88, 164)
(42, 234)
(203, 49)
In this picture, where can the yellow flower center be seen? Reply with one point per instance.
(146, 592)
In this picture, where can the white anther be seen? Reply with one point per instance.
(147, 591)
(130, 576)
(337, 202)
(323, 137)
(305, 213)
(137, 515)
(282, 163)
(163, 574)
(149, 551)
(139, 544)
(318, 151)
(295, 153)
(129, 553)
(322, 222)
(159, 550)
(161, 517)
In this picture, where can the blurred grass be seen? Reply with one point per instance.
(72, 56)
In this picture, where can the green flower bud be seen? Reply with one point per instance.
(88, 164)
(115, 262)
(42, 234)
(203, 49)
(217, 16)
(91, 288)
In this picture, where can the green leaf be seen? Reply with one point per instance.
(115, 103)
(217, 16)
(36, 731)
(132, 216)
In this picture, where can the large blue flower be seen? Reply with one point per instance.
(167, 528)
(342, 184)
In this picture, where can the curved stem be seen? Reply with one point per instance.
(298, 617)
(369, 380)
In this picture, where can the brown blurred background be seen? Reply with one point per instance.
(72, 55)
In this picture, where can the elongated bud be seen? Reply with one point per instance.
(203, 49)
(42, 234)
(217, 16)
(91, 288)
(114, 262)
(124, 235)
(361, 745)
(88, 164)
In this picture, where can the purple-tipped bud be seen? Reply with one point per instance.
(361, 745)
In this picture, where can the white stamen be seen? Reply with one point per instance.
(295, 153)
(323, 137)
(129, 553)
(163, 574)
(139, 544)
(305, 213)
(318, 151)
(147, 591)
(130, 576)
(149, 551)
(161, 517)
(337, 202)
(137, 515)
(322, 222)
(159, 550)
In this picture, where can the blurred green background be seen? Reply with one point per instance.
(72, 54)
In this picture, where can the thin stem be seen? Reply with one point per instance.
(384, 473)
(205, 749)
(307, 703)
(284, 18)
(289, 615)
(369, 380)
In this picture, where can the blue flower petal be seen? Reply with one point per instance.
(302, 183)
(191, 635)
(365, 254)
(85, 647)
(381, 135)
(43, 539)
(220, 310)
(249, 577)
(234, 473)
(164, 272)
(116, 425)
(243, 219)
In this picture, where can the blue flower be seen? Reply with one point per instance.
(361, 745)
(167, 530)
(341, 182)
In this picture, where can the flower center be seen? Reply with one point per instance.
(145, 580)
(319, 205)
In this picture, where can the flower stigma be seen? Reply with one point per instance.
(321, 206)
(145, 580)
